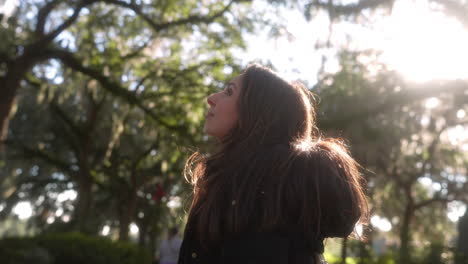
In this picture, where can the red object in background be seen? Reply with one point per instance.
(159, 193)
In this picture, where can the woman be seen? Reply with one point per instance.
(273, 190)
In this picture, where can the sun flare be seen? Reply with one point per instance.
(424, 44)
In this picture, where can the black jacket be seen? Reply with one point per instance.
(251, 248)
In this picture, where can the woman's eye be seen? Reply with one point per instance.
(228, 91)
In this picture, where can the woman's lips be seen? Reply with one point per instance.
(209, 115)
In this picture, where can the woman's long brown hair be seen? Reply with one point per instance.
(273, 171)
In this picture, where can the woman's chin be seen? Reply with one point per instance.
(207, 130)
(210, 133)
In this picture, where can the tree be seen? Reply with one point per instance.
(462, 245)
(128, 34)
(117, 61)
(401, 141)
(123, 89)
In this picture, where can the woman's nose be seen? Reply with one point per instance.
(210, 100)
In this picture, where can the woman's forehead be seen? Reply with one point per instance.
(237, 81)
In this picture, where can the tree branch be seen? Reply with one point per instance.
(430, 201)
(135, 52)
(430, 150)
(195, 18)
(142, 81)
(115, 88)
(455, 9)
(43, 14)
(165, 25)
(410, 94)
(36, 153)
(144, 154)
(46, 39)
(67, 120)
(350, 9)
(67, 123)
(5, 57)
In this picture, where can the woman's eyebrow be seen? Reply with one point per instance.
(233, 84)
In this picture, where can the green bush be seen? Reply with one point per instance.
(70, 248)
(23, 251)
(387, 258)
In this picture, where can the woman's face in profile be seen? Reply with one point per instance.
(223, 114)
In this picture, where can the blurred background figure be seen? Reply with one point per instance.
(169, 248)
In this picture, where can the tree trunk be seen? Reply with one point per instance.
(364, 255)
(142, 236)
(461, 255)
(405, 242)
(126, 212)
(124, 222)
(85, 185)
(9, 85)
(155, 229)
(344, 248)
(7, 99)
(83, 206)
(152, 243)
